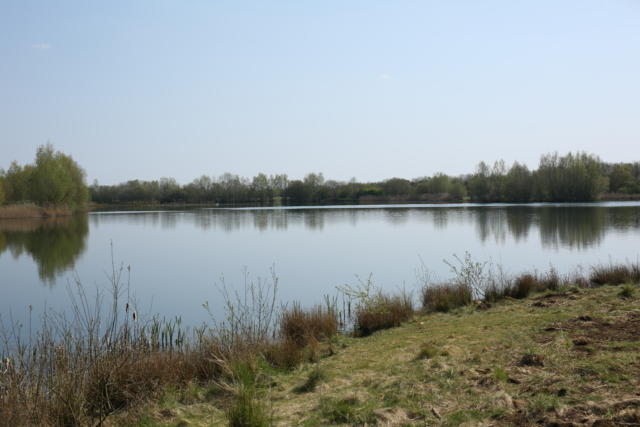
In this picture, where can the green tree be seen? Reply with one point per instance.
(2, 184)
(519, 184)
(56, 179)
(621, 179)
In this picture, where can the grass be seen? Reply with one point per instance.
(512, 364)
(29, 210)
(315, 377)
(427, 351)
(305, 326)
(445, 297)
(519, 360)
(615, 274)
(382, 312)
(627, 291)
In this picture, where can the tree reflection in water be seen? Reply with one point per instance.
(54, 244)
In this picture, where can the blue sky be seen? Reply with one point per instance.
(371, 89)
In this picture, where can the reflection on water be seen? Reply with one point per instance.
(178, 257)
(54, 244)
(575, 227)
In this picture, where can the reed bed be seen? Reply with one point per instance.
(30, 210)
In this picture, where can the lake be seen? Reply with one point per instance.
(180, 258)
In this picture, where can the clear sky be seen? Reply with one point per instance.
(371, 89)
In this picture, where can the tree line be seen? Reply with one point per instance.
(53, 179)
(574, 177)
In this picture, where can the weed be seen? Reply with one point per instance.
(316, 376)
(427, 351)
(615, 274)
(627, 291)
(347, 410)
(500, 374)
(247, 410)
(445, 297)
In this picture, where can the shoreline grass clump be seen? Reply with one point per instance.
(615, 274)
(375, 310)
(302, 326)
(383, 312)
(445, 297)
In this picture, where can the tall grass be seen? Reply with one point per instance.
(104, 356)
(618, 274)
(375, 310)
(488, 283)
(30, 210)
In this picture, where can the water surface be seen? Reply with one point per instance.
(179, 259)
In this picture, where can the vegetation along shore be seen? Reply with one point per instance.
(483, 347)
(55, 185)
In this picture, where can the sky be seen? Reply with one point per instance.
(368, 89)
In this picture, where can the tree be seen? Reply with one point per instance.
(2, 193)
(621, 179)
(56, 179)
(519, 184)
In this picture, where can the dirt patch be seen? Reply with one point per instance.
(586, 330)
(607, 413)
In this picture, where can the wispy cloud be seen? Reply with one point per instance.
(41, 46)
(385, 76)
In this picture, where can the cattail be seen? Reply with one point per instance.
(134, 316)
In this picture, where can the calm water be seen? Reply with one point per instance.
(178, 258)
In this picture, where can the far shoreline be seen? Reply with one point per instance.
(33, 211)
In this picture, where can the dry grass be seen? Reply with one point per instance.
(382, 313)
(515, 363)
(523, 349)
(615, 274)
(29, 210)
(445, 297)
(302, 326)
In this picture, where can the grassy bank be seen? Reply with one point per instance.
(485, 347)
(566, 356)
(29, 210)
